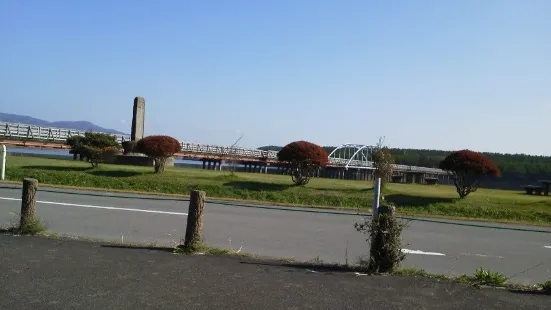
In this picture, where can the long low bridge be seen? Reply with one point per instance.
(345, 160)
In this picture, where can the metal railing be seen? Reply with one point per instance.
(33, 132)
(60, 135)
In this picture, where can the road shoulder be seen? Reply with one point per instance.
(59, 273)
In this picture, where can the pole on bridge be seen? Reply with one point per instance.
(3, 165)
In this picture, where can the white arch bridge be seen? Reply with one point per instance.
(360, 156)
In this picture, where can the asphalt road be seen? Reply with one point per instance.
(440, 248)
(38, 273)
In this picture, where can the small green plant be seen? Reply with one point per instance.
(206, 250)
(488, 277)
(383, 162)
(546, 287)
(33, 227)
(385, 236)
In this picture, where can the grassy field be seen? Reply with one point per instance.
(412, 199)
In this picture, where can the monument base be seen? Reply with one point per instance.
(137, 160)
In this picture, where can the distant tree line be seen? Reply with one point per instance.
(516, 169)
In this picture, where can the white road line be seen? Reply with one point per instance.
(482, 255)
(407, 251)
(547, 246)
(98, 207)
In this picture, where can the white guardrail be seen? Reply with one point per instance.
(25, 131)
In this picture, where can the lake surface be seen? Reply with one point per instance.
(64, 154)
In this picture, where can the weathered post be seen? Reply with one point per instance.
(28, 203)
(194, 229)
(3, 166)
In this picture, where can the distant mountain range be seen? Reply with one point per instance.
(78, 125)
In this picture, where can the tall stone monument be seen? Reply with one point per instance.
(138, 119)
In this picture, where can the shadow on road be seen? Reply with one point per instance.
(138, 247)
(524, 292)
(317, 267)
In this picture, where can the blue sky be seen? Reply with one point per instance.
(424, 74)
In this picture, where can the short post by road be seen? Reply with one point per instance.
(376, 197)
(194, 229)
(28, 202)
(3, 164)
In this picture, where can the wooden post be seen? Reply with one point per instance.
(194, 228)
(28, 202)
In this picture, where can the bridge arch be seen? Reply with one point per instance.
(352, 155)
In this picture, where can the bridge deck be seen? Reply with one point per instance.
(24, 135)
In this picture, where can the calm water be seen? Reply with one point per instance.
(64, 154)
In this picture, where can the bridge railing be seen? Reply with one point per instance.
(228, 151)
(33, 132)
(364, 164)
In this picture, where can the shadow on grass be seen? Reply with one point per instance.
(85, 192)
(257, 186)
(344, 190)
(59, 168)
(114, 173)
(318, 267)
(416, 201)
(89, 170)
(138, 247)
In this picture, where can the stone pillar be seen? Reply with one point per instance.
(138, 119)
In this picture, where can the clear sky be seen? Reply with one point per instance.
(425, 74)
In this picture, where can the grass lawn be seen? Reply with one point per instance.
(412, 199)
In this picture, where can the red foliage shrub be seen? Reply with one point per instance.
(160, 148)
(467, 168)
(299, 151)
(303, 158)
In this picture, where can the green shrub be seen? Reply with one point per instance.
(100, 140)
(384, 233)
(488, 277)
(96, 147)
(97, 155)
(546, 287)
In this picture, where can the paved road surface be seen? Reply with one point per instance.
(38, 273)
(435, 247)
